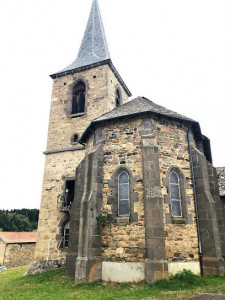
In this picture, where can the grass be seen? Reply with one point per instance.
(52, 285)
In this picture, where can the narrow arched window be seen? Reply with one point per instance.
(78, 100)
(66, 235)
(118, 98)
(175, 199)
(123, 194)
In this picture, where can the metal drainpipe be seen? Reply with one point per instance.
(195, 200)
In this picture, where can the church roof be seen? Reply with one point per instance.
(94, 49)
(221, 179)
(140, 105)
(137, 106)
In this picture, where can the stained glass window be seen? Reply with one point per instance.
(123, 194)
(175, 199)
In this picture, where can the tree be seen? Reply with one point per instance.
(19, 220)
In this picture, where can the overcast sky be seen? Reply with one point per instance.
(170, 51)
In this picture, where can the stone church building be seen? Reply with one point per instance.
(129, 190)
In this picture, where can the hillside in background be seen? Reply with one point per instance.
(19, 220)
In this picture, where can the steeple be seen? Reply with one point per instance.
(94, 48)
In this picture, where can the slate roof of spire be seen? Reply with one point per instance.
(94, 49)
(137, 106)
(221, 180)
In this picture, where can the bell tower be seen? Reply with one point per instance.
(87, 88)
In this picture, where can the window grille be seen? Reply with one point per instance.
(66, 234)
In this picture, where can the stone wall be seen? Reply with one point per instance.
(221, 180)
(58, 166)
(208, 214)
(62, 158)
(180, 235)
(100, 98)
(18, 254)
(75, 221)
(123, 149)
(2, 252)
(40, 266)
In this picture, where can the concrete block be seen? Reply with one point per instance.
(123, 272)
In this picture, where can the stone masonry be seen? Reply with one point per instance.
(14, 255)
(62, 158)
(125, 146)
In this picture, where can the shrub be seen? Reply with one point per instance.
(184, 275)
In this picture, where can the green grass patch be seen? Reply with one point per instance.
(53, 285)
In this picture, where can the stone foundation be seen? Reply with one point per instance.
(18, 255)
(37, 267)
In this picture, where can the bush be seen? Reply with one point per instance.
(185, 275)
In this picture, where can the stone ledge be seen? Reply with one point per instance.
(64, 150)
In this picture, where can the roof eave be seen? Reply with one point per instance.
(91, 66)
(3, 240)
(87, 131)
(21, 242)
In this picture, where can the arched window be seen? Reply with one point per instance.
(78, 100)
(66, 235)
(118, 98)
(175, 198)
(123, 194)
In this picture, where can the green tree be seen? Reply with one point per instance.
(19, 219)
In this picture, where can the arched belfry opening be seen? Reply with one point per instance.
(78, 100)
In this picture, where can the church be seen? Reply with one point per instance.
(129, 190)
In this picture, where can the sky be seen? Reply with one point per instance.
(170, 51)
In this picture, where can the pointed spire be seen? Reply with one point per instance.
(94, 48)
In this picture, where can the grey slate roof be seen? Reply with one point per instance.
(221, 179)
(140, 105)
(94, 47)
(134, 107)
